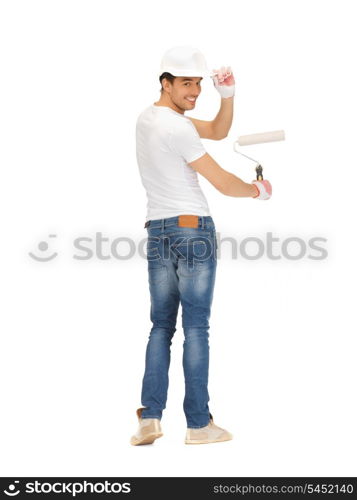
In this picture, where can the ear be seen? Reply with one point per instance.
(166, 85)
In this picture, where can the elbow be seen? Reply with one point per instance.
(226, 192)
(224, 188)
(219, 137)
(229, 187)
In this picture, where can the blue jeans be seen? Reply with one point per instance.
(182, 268)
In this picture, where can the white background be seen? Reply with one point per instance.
(74, 77)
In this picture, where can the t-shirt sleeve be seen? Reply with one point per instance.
(186, 142)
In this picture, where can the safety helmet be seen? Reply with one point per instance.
(184, 61)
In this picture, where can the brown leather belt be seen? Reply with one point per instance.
(184, 221)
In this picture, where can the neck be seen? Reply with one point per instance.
(165, 100)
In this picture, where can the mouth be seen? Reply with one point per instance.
(191, 99)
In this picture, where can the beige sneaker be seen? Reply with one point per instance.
(149, 430)
(209, 434)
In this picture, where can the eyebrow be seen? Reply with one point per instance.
(189, 80)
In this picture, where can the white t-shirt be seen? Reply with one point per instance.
(166, 141)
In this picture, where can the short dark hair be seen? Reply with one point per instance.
(168, 77)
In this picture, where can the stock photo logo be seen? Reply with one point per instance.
(72, 489)
(13, 489)
(43, 246)
(103, 248)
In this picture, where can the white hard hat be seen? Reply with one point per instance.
(184, 61)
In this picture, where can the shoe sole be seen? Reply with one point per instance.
(191, 441)
(149, 439)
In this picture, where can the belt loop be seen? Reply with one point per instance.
(162, 225)
(203, 222)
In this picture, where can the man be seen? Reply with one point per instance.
(181, 248)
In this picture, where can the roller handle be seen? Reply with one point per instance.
(258, 168)
(259, 171)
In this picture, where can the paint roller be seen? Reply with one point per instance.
(247, 140)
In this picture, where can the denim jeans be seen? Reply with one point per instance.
(181, 269)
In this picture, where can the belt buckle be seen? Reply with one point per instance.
(188, 221)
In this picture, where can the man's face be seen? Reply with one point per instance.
(184, 92)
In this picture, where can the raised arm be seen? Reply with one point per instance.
(219, 127)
